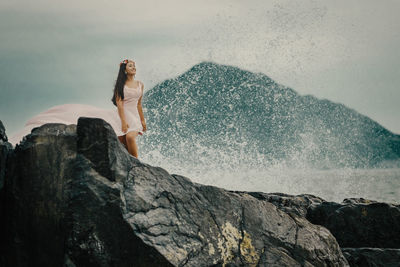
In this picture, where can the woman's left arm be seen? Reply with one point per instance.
(141, 110)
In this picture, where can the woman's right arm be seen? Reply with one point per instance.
(121, 113)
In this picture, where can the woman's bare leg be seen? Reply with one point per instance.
(122, 139)
(131, 141)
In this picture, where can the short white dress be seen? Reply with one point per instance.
(69, 114)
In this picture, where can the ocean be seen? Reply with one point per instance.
(331, 184)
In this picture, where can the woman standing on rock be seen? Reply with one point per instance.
(127, 120)
(127, 97)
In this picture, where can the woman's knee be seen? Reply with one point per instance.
(131, 136)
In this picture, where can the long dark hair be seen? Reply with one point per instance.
(120, 82)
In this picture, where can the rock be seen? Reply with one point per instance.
(3, 136)
(77, 198)
(238, 229)
(359, 222)
(38, 172)
(377, 257)
(5, 149)
(53, 218)
(358, 201)
(298, 204)
(98, 143)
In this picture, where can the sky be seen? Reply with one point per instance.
(57, 52)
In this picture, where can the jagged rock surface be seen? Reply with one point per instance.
(376, 225)
(75, 197)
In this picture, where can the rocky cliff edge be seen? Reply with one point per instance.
(71, 195)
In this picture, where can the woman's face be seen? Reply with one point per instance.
(130, 68)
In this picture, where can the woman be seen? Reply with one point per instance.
(128, 99)
(127, 119)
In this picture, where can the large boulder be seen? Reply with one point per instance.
(75, 197)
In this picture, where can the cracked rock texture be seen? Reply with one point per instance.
(73, 196)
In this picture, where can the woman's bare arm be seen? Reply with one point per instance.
(140, 110)
(120, 106)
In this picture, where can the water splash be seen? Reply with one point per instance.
(228, 127)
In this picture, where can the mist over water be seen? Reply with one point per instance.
(381, 184)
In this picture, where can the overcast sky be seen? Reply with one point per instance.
(57, 52)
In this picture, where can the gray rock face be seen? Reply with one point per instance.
(288, 203)
(359, 222)
(75, 197)
(213, 226)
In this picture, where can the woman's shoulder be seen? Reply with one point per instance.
(140, 82)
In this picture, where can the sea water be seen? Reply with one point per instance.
(331, 184)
